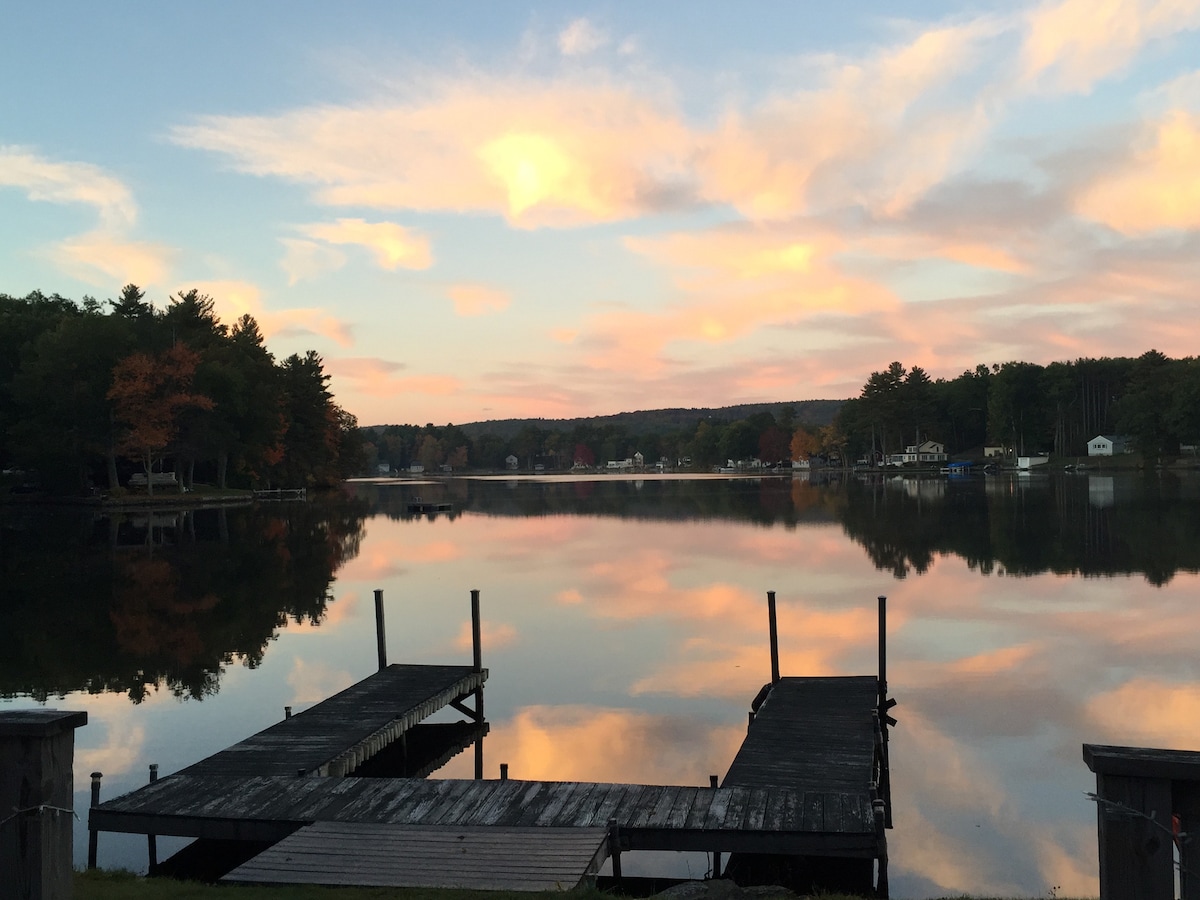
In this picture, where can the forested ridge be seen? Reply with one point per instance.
(91, 393)
(1023, 407)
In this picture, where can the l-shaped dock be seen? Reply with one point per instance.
(809, 784)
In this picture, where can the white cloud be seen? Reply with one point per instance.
(104, 255)
(69, 182)
(580, 38)
(394, 245)
(308, 259)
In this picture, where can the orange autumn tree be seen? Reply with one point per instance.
(804, 444)
(148, 393)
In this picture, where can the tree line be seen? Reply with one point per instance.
(1023, 407)
(766, 436)
(1027, 408)
(92, 392)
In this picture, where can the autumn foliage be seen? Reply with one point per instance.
(90, 397)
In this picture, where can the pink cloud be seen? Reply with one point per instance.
(477, 299)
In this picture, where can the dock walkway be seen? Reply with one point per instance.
(337, 735)
(811, 734)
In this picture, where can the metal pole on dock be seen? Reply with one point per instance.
(882, 657)
(151, 840)
(476, 640)
(774, 638)
(93, 835)
(380, 636)
(477, 662)
(884, 721)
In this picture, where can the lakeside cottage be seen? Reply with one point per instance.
(1108, 445)
(925, 452)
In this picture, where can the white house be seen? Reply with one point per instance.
(511, 462)
(1108, 445)
(925, 452)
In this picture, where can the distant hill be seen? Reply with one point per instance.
(808, 412)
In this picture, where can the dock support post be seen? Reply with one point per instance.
(882, 657)
(476, 640)
(614, 849)
(152, 840)
(884, 718)
(380, 636)
(504, 771)
(37, 755)
(881, 880)
(716, 868)
(93, 835)
(774, 638)
(477, 664)
(287, 712)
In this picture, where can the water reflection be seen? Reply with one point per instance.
(166, 599)
(624, 628)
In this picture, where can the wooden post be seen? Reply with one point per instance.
(614, 849)
(476, 641)
(477, 664)
(749, 719)
(884, 705)
(152, 840)
(881, 881)
(882, 658)
(774, 638)
(380, 636)
(287, 712)
(37, 749)
(504, 771)
(93, 835)
(712, 783)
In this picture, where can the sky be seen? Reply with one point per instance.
(493, 210)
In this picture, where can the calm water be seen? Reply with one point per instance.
(625, 631)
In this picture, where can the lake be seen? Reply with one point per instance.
(625, 630)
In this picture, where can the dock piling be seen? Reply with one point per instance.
(380, 636)
(476, 640)
(504, 771)
(93, 835)
(477, 665)
(152, 840)
(614, 849)
(774, 638)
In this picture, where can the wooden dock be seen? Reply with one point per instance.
(809, 786)
(339, 734)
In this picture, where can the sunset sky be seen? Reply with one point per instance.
(477, 211)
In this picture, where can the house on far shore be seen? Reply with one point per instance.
(416, 469)
(993, 452)
(511, 463)
(925, 452)
(1108, 445)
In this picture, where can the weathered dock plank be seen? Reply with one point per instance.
(207, 806)
(811, 734)
(376, 855)
(334, 736)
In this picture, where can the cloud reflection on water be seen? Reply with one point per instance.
(1000, 679)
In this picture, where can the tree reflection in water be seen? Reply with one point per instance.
(143, 601)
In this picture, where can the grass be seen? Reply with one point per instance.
(101, 884)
